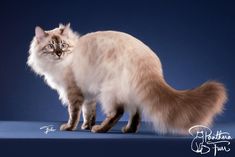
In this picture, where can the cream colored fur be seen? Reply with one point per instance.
(115, 69)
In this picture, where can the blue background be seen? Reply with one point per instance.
(194, 40)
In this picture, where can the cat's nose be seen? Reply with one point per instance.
(58, 53)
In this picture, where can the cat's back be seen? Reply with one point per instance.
(109, 35)
(112, 56)
(114, 39)
(117, 48)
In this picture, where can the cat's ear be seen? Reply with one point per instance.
(61, 26)
(66, 29)
(39, 33)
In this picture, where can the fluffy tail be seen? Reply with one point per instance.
(176, 111)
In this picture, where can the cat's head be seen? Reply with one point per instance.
(53, 46)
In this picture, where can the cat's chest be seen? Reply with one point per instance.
(86, 79)
(55, 81)
(58, 78)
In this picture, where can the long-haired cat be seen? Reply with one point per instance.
(121, 73)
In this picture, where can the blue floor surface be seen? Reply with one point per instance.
(24, 138)
(27, 129)
(36, 130)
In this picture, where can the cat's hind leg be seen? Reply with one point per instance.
(133, 123)
(89, 114)
(110, 121)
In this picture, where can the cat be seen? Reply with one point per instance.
(123, 74)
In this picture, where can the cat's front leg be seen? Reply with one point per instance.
(89, 114)
(76, 99)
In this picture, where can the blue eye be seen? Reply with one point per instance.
(50, 46)
(64, 46)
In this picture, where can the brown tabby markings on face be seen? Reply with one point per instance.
(56, 39)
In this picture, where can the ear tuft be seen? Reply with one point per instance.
(66, 29)
(39, 33)
(67, 25)
(61, 26)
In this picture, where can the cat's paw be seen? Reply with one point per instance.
(66, 127)
(97, 129)
(127, 129)
(86, 126)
